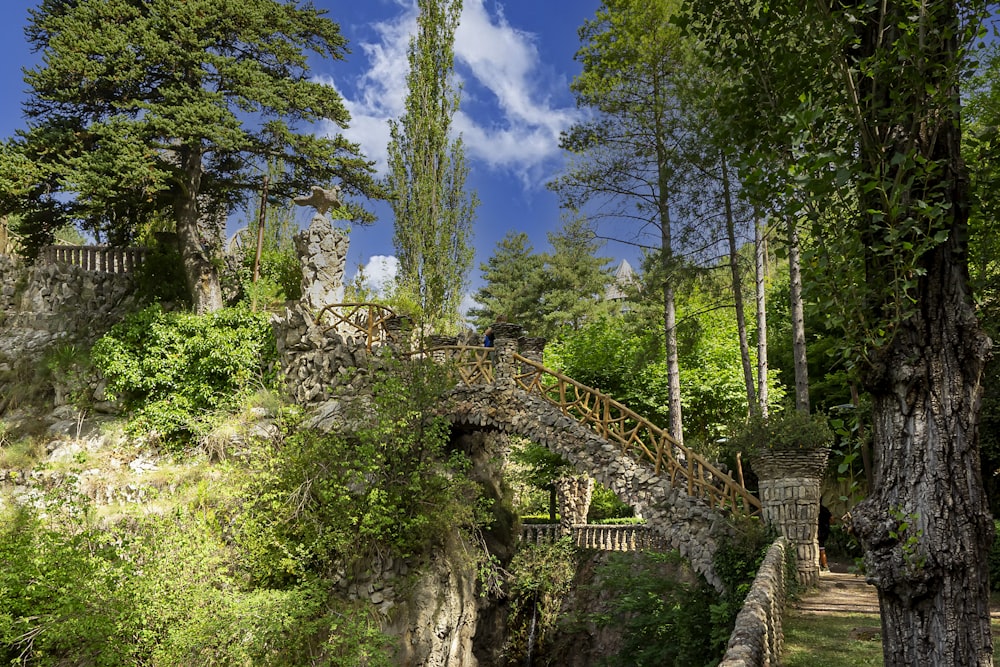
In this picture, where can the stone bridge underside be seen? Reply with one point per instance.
(686, 523)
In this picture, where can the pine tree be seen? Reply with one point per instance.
(513, 285)
(433, 212)
(146, 106)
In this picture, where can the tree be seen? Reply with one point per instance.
(513, 285)
(149, 105)
(626, 157)
(433, 212)
(881, 83)
(574, 280)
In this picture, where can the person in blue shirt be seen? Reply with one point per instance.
(488, 337)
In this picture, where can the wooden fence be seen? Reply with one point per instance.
(637, 436)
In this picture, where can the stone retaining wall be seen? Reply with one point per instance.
(757, 639)
(46, 303)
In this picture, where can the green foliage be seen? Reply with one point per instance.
(172, 369)
(512, 279)
(664, 620)
(111, 145)
(160, 277)
(736, 562)
(781, 430)
(160, 590)
(540, 577)
(605, 507)
(427, 172)
(314, 500)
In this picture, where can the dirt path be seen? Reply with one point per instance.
(842, 592)
(839, 592)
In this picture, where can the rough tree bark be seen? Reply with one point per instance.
(760, 256)
(199, 270)
(926, 526)
(737, 282)
(798, 319)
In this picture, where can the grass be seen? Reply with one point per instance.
(840, 640)
(830, 640)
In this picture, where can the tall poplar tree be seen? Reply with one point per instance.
(144, 107)
(433, 211)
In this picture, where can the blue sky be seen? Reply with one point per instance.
(515, 62)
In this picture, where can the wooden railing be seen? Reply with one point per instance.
(368, 319)
(637, 437)
(474, 364)
(101, 259)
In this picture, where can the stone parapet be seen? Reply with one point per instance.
(757, 637)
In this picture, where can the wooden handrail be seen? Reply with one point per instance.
(617, 423)
(365, 318)
(473, 362)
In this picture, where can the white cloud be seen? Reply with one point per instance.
(519, 128)
(380, 271)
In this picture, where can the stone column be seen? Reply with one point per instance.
(789, 484)
(532, 348)
(505, 345)
(573, 494)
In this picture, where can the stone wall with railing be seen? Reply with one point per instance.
(757, 639)
(45, 303)
(597, 537)
(100, 259)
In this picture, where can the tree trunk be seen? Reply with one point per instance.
(734, 268)
(798, 319)
(926, 528)
(760, 255)
(931, 574)
(196, 252)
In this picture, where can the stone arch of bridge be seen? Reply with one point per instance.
(686, 523)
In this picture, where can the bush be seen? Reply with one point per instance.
(316, 500)
(540, 577)
(736, 562)
(162, 590)
(664, 620)
(173, 369)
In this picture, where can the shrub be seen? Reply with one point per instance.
(664, 619)
(540, 577)
(736, 561)
(316, 500)
(173, 369)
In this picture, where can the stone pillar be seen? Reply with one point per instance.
(789, 484)
(573, 494)
(322, 254)
(532, 348)
(505, 345)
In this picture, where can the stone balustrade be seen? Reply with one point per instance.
(597, 537)
(100, 259)
(757, 638)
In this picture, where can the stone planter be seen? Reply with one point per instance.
(789, 485)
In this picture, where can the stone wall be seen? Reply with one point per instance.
(46, 303)
(319, 364)
(757, 639)
(686, 524)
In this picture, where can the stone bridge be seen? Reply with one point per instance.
(683, 497)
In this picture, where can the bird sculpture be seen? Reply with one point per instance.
(321, 199)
